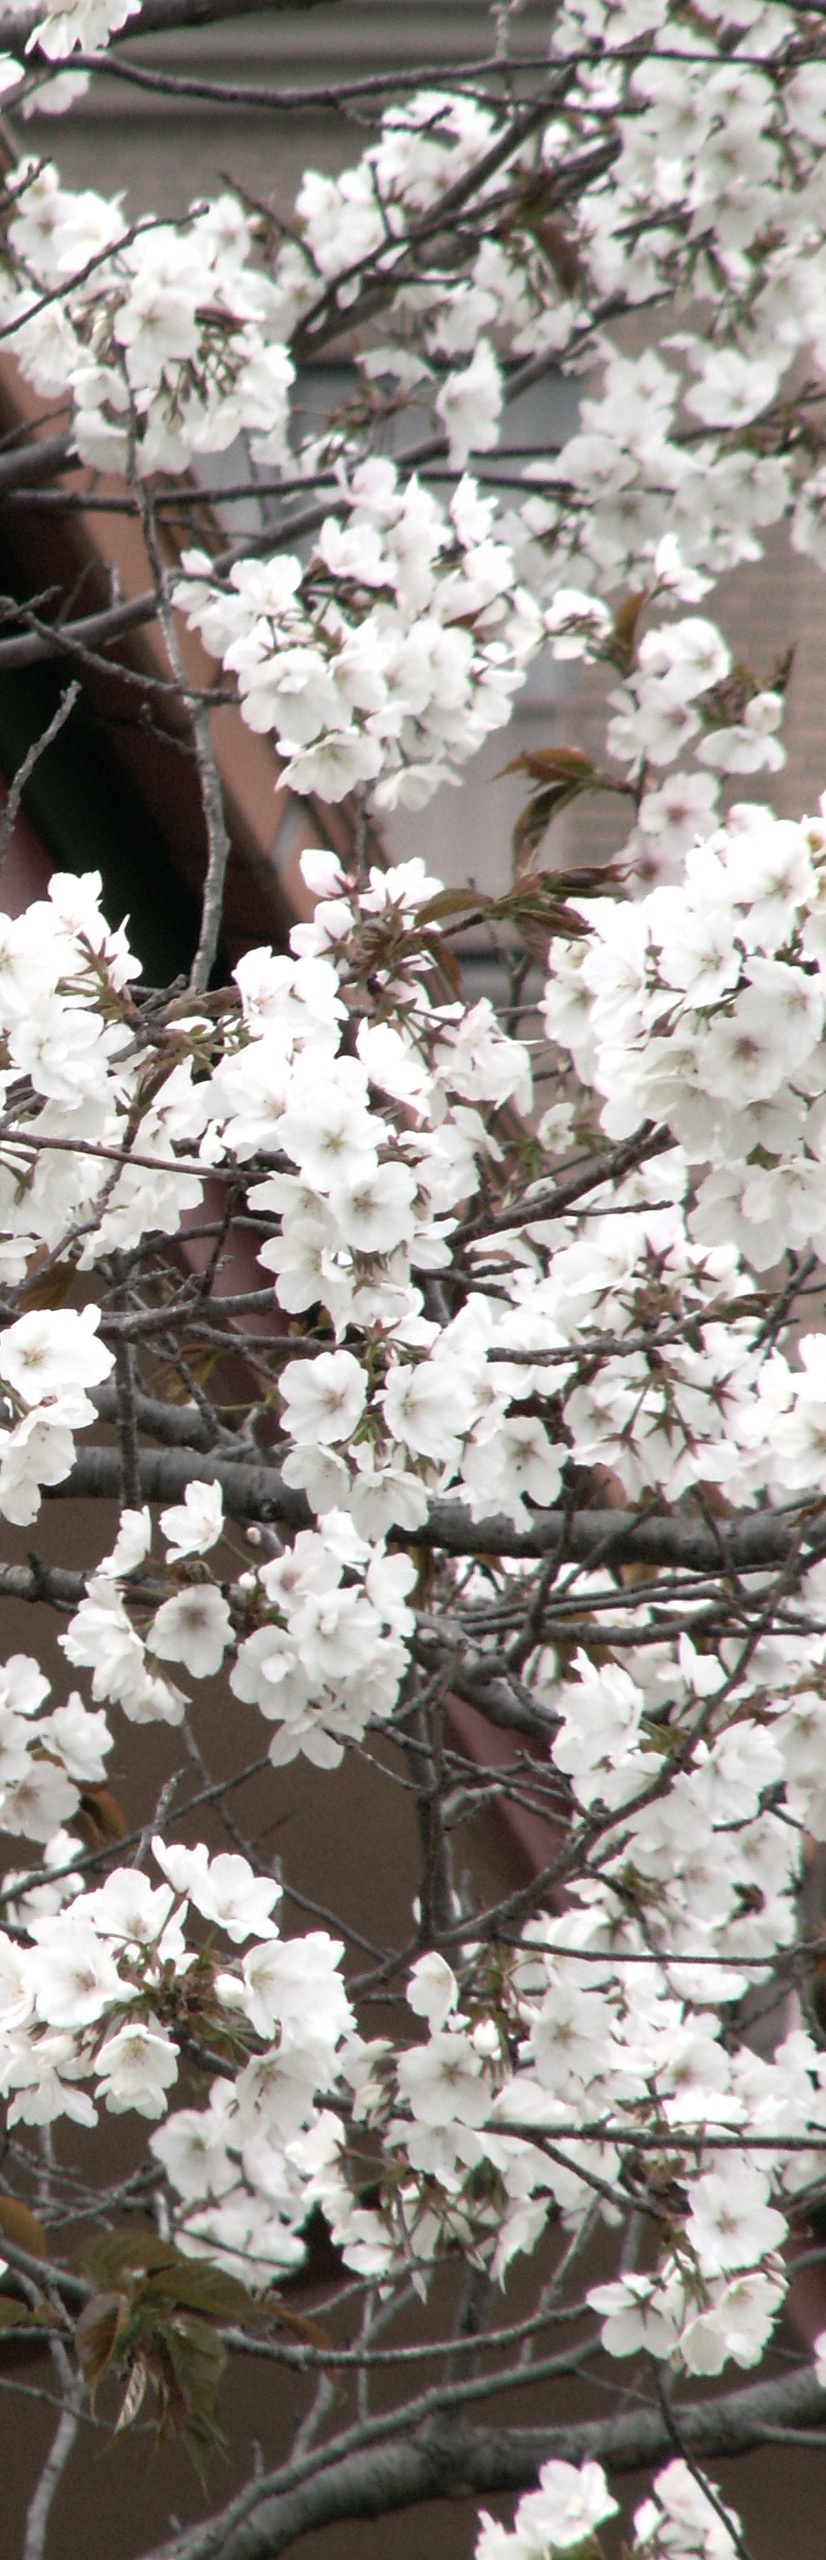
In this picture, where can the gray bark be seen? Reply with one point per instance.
(750, 1543)
(450, 2459)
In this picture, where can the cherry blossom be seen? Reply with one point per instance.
(530, 1442)
(192, 1526)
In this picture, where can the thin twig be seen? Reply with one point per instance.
(32, 758)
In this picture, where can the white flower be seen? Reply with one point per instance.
(686, 658)
(185, 1869)
(40, 1450)
(432, 1990)
(569, 2504)
(75, 1977)
(732, 388)
(295, 1983)
(442, 2081)
(737, 2324)
(16, 1985)
(136, 2067)
(731, 2223)
(680, 2522)
(129, 1908)
(321, 1475)
(469, 404)
(376, 1213)
(193, 1525)
(327, 1128)
(677, 812)
(638, 2311)
(52, 1352)
(83, 1741)
(132, 1544)
(426, 1405)
(68, 24)
(236, 1899)
(332, 768)
(42, 2077)
(564, 2512)
(323, 1397)
(192, 2147)
(194, 1628)
(38, 1801)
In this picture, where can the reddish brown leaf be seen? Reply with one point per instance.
(102, 2322)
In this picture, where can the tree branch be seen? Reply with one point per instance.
(42, 2502)
(25, 465)
(452, 2460)
(751, 1543)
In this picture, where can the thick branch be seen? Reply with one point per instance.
(28, 648)
(748, 1544)
(751, 1543)
(179, 1426)
(42, 1582)
(250, 1493)
(448, 2461)
(25, 465)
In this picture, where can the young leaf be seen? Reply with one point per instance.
(133, 2396)
(197, 2285)
(194, 2360)
(15, 2315)
(551, 764)
(99, 1817)
(451, 902)
(19, 2225)
(623, 643)
(110, 2254)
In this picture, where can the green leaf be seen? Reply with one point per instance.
(16, 2315)
(110, 2254)
(196, 2360)
(196, 2285)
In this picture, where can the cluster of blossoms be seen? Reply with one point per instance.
(730, 152)
(166, 335)
(387, 658)
(568, 2040)
(325, 1657)
(703, 1004)
(679, 2521)
(460, 1371)
(46, 1371)
(391, 654)
(700, 1767)
(103, 1994)
(694, 1795)
(75, 26)
(111, 1982)
(46, 1761)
